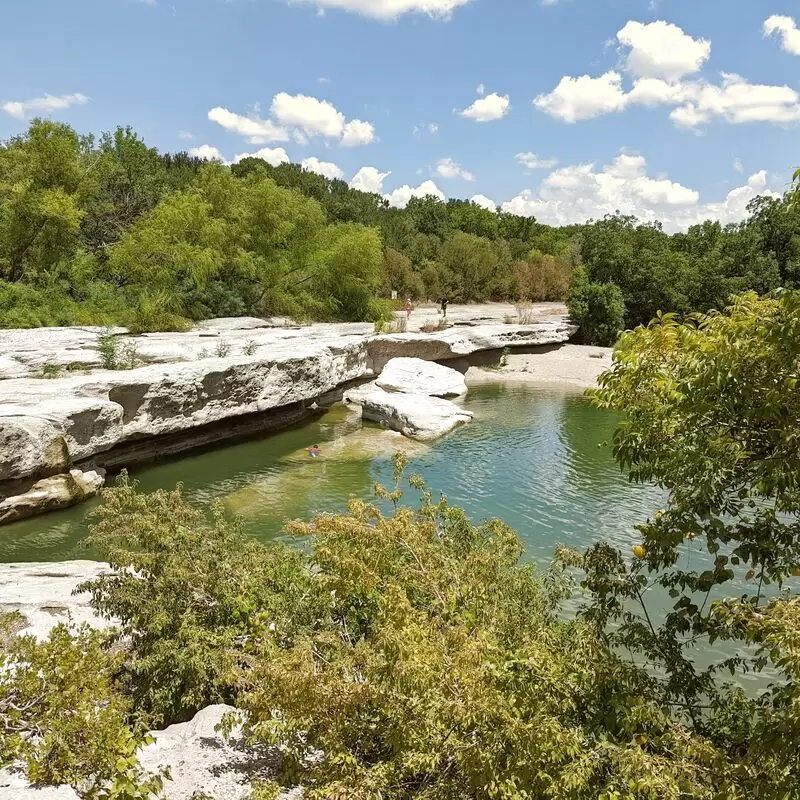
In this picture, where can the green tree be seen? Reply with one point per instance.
(598, 309)
(710, 408)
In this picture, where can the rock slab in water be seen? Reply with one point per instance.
(417, 416)
(49, 494)
(416, 376)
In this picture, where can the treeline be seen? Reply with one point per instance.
(109, 230)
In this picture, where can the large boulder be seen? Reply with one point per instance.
(50, 494)
(415, 376)
(30, 445)
(417, 416)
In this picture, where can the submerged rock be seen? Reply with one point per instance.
(415, 376)
(417, 416)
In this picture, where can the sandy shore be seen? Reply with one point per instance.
(572, 366)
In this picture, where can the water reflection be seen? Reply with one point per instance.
(531, 457)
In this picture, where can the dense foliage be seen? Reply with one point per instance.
(109, 230)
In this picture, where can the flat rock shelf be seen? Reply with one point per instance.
(60, 411)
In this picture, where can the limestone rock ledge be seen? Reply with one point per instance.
(415, 376)
(200, 760)
(221, 371)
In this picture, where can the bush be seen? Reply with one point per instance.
(197, 588)
(599, 311)
(62, 717)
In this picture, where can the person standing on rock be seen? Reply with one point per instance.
(408, 308)
(444, 301)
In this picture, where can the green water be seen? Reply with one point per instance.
(532, 457)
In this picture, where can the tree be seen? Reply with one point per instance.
(598, 309)
(711, 409)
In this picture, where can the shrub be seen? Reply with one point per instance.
(116, 354)
(599, 311)
(187, 590)
(526, 315)
(250, 348)
(62, 717)
(222, 349)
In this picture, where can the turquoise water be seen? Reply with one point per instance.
(533, 457)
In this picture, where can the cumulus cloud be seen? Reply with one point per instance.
(399, 197)
(662, 50)
(577, 99)
(208, 152)
(488, 108)
(484, 202)
(253, 128)
(532, 161)
(272, 155)
(660, 58)
(448, 168)
(391, 9)
(369, 179)
(325, 168)
(297, 117)
(357, 132)
(46, 104)
(580, 192)
(314, 117)
(786, 29)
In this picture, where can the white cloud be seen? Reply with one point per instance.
(399, 197)
(357, 132)
(532, 161)
(737, 101)
(484, 202)
(786, 28)
(185, 135)
(576, 99)
(426, 127)
(481, 90)
(662, 50)
(207, 152)
(369, 179)
(272, 155)
(253, 128)
(738, 164)
(297, 117)
(314, 117)
(22, 108)
(325, 168)
(576, 193)
(391, 9)
(486, 109)
(448, 168)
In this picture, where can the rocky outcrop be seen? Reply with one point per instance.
(220, 372)
(414, 415)
(201, 763)
(415, 376)
(50, 494)
(44, 594)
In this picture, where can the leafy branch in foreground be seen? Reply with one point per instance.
(712, 412)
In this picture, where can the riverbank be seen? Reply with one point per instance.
(572, 366)
(64, 414)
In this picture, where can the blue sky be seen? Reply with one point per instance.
(661, 126)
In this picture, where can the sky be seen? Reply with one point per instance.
(671, 110)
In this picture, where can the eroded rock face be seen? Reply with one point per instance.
(417, 416)
(415, 376)
(221, 370)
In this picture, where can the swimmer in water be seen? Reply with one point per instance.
(315, 451)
